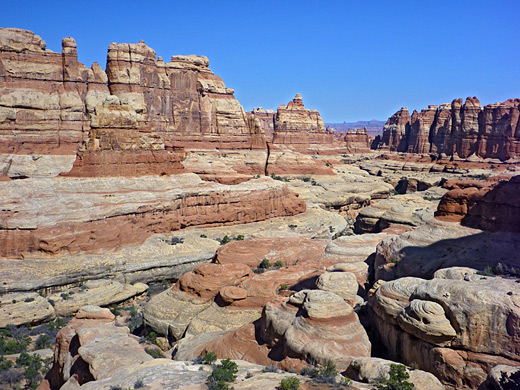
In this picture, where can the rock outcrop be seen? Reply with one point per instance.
(487, 205)
(457, 129)
(456, 329)
(134, 119)
(295, 125)
(85, 215)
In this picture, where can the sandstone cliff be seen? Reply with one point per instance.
(136, 118)
(492, 131)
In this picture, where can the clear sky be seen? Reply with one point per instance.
(352, 60)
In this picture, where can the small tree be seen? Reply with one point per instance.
(265, 264)
(397, 379)
(290, 383)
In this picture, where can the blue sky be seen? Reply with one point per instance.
(352, 60)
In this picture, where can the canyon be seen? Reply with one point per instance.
(263, 237)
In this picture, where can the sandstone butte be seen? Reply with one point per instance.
(135, 173)
(138, 117)
(457, 129)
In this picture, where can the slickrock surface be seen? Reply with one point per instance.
(310, 326)
(93, 354)
(412, 209)
(456, 329)
(437, 245)
(315, 325)
(457, 129)
(73, 215)
(160, 257)
(94, 292)
(24, 308)
(347, 191)
(485, 205)
(369, 369)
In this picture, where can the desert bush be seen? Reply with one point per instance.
(155, 353)
(396, 380)
(265, 264)
(43, 341)
(222, 374)
(290, 383)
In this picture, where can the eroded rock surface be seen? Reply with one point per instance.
(456, 329)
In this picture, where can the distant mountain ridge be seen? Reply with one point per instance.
(374, 126)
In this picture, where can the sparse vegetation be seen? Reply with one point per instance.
(290, 383)
(293, 226)
(481, 176)
(270, 369)
(31, 364)
(278, 264)
(488, 271)
(393, 260)
(222, 374)
(225, 240)
(240, 237)
(209, 358)
(265, 264)
(203, 236)
(283, 287)
(138, 384)
(65, 296)
(136, 319)
(153, 352)
(431, 198)
(325, 373)
(396, 380)
(43, 341)
(116, 310)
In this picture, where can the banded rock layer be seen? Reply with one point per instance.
(134, 119)
(492, 131)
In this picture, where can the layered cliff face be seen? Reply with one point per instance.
(296, 125)
(41, 104)
(356, 141)
(396, 131)
(457, 129)
(135, 119)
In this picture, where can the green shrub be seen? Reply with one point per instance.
(488, 271)
(265, 264)
(270, 369)
(43, 341)
(324, 373)
(138, 384)
(278, 264)
(283, 287)
(203, 236)
(31, 365)
(5, 364)
(225, 240)
(151, 338)
(290, 383)
(209, 358)
(116, 310)
(240, 237)
(65, 296)
(397, 379)
(135, 320)
(225, 372)
(155, 353)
